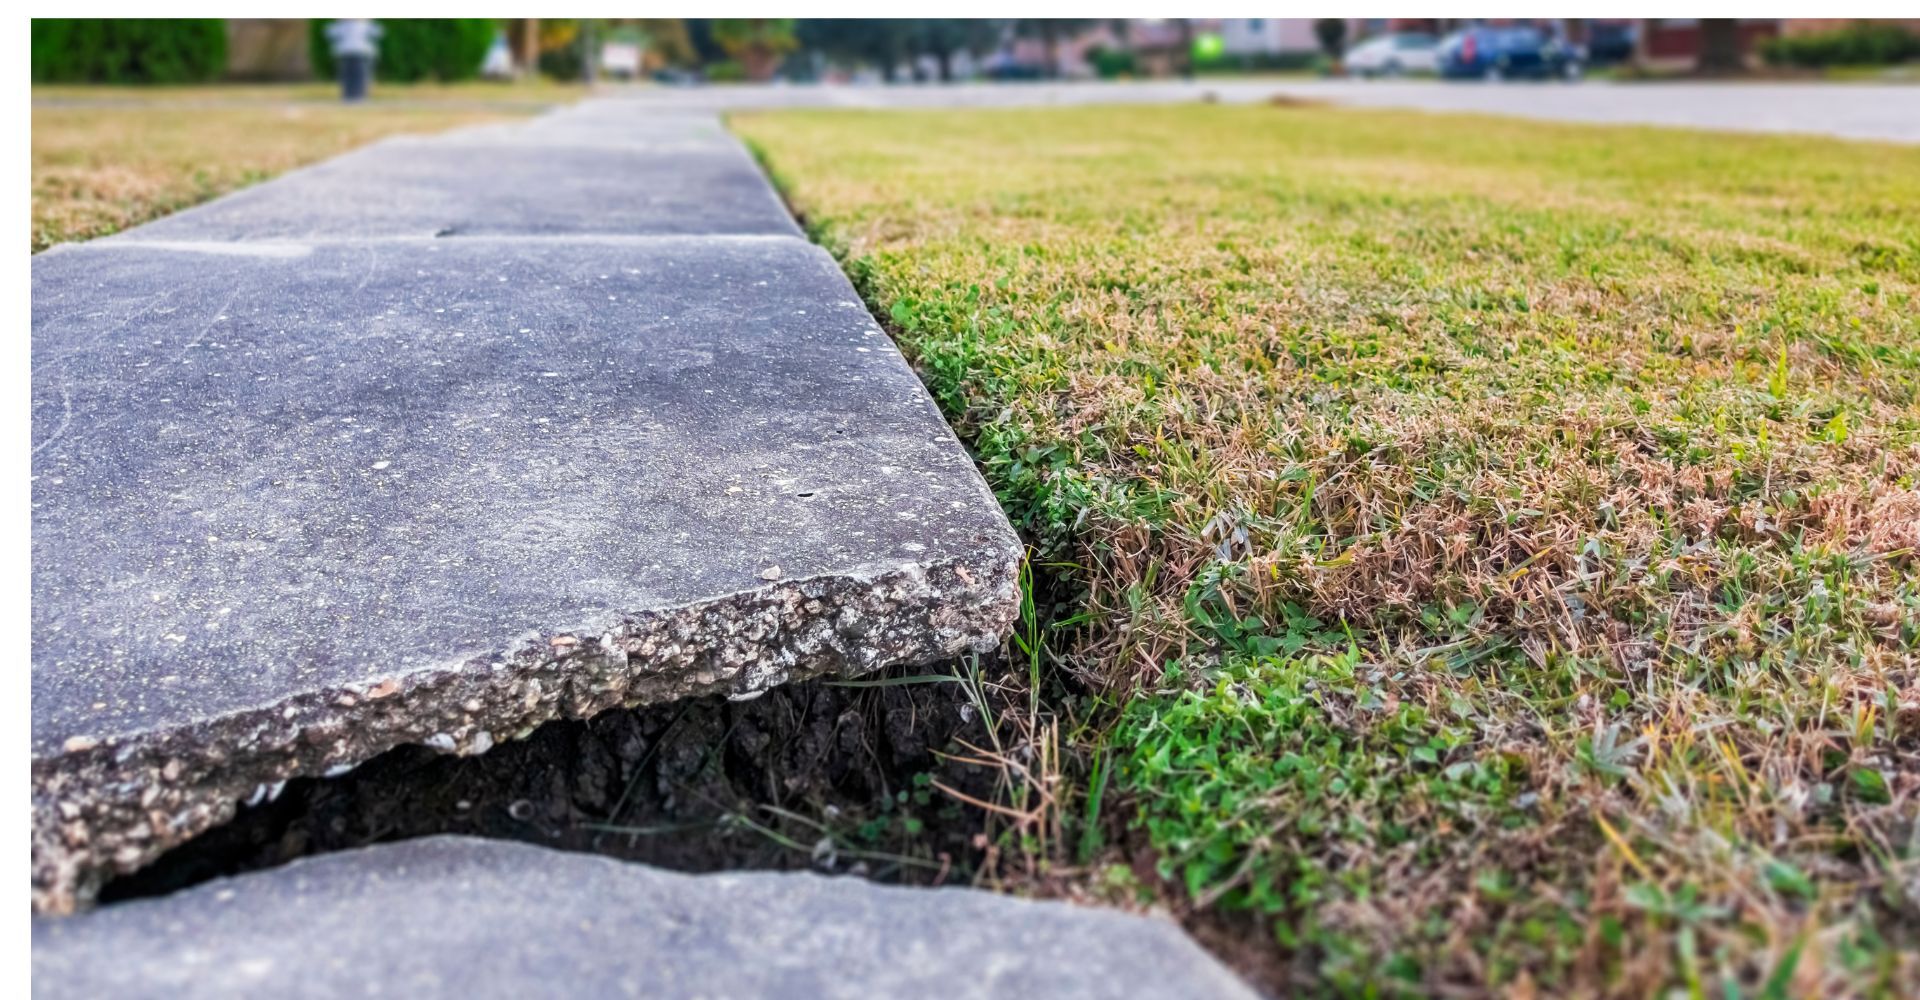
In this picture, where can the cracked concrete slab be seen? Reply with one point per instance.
(295, 504)
(451, 916)
(673, 177)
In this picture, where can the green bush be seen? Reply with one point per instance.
(1853, 45)
(1111, 63)
(1259, 62)
(725, 71)
(563, 63)
(417, 48)
(128, 50)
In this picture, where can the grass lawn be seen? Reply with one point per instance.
(1487, 548)
(106, 158)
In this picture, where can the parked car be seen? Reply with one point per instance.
(1506, 53)
(1395, 54)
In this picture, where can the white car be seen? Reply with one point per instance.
(1394, 55)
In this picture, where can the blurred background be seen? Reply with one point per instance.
(876, 51)
(135, 118)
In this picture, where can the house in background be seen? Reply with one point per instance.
(1268, 36)
(1677, 43)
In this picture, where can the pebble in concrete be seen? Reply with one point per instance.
(450, 916)
(294, 505)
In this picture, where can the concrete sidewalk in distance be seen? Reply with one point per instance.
(1882, 112)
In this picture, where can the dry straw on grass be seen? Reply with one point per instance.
(1502, 536)
(104, 164)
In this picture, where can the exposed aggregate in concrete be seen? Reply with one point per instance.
(115, 806)
(309, 488)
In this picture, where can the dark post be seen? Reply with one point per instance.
(355, 41)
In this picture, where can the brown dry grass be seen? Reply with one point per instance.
(100, 168)
(1501, 537)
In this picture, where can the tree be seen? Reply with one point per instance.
(882, 42)
(667, 40)
(756, 42)
(1332, 33)
(943, 37)
(1719, 46)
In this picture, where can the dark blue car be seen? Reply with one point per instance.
(1505, 54)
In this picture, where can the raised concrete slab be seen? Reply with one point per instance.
(562, 179)
(293, 505)
(449, 916)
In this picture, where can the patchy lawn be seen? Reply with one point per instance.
(107, 158)
(1489, 547)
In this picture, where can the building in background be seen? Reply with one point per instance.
(1268, 36)
(1682, 43)
(268, 48)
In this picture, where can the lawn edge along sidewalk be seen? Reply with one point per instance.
(369, 481)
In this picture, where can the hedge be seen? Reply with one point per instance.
(128, 50)
(1854, 45)
(417, 48)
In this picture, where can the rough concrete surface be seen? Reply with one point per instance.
(559, 179)
(458, 917)
(295, 504)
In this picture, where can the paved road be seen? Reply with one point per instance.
(1884, 112)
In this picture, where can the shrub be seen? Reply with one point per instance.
(128, 50)
(1854, 45)
(563, 63)
(725, 71)
(1111, 63)
(417, 48)
(1260, 62)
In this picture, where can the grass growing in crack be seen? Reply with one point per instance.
(1489, 547)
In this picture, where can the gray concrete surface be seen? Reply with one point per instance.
(1884, 112)
(297, 502)
(534, 179)
(457, 917)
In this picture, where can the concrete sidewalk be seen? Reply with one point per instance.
(449, 437)
(439, 441)
(458, 917)
(1881, 112)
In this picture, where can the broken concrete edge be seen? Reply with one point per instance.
(112, 805)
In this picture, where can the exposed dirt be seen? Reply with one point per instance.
(827, 775)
